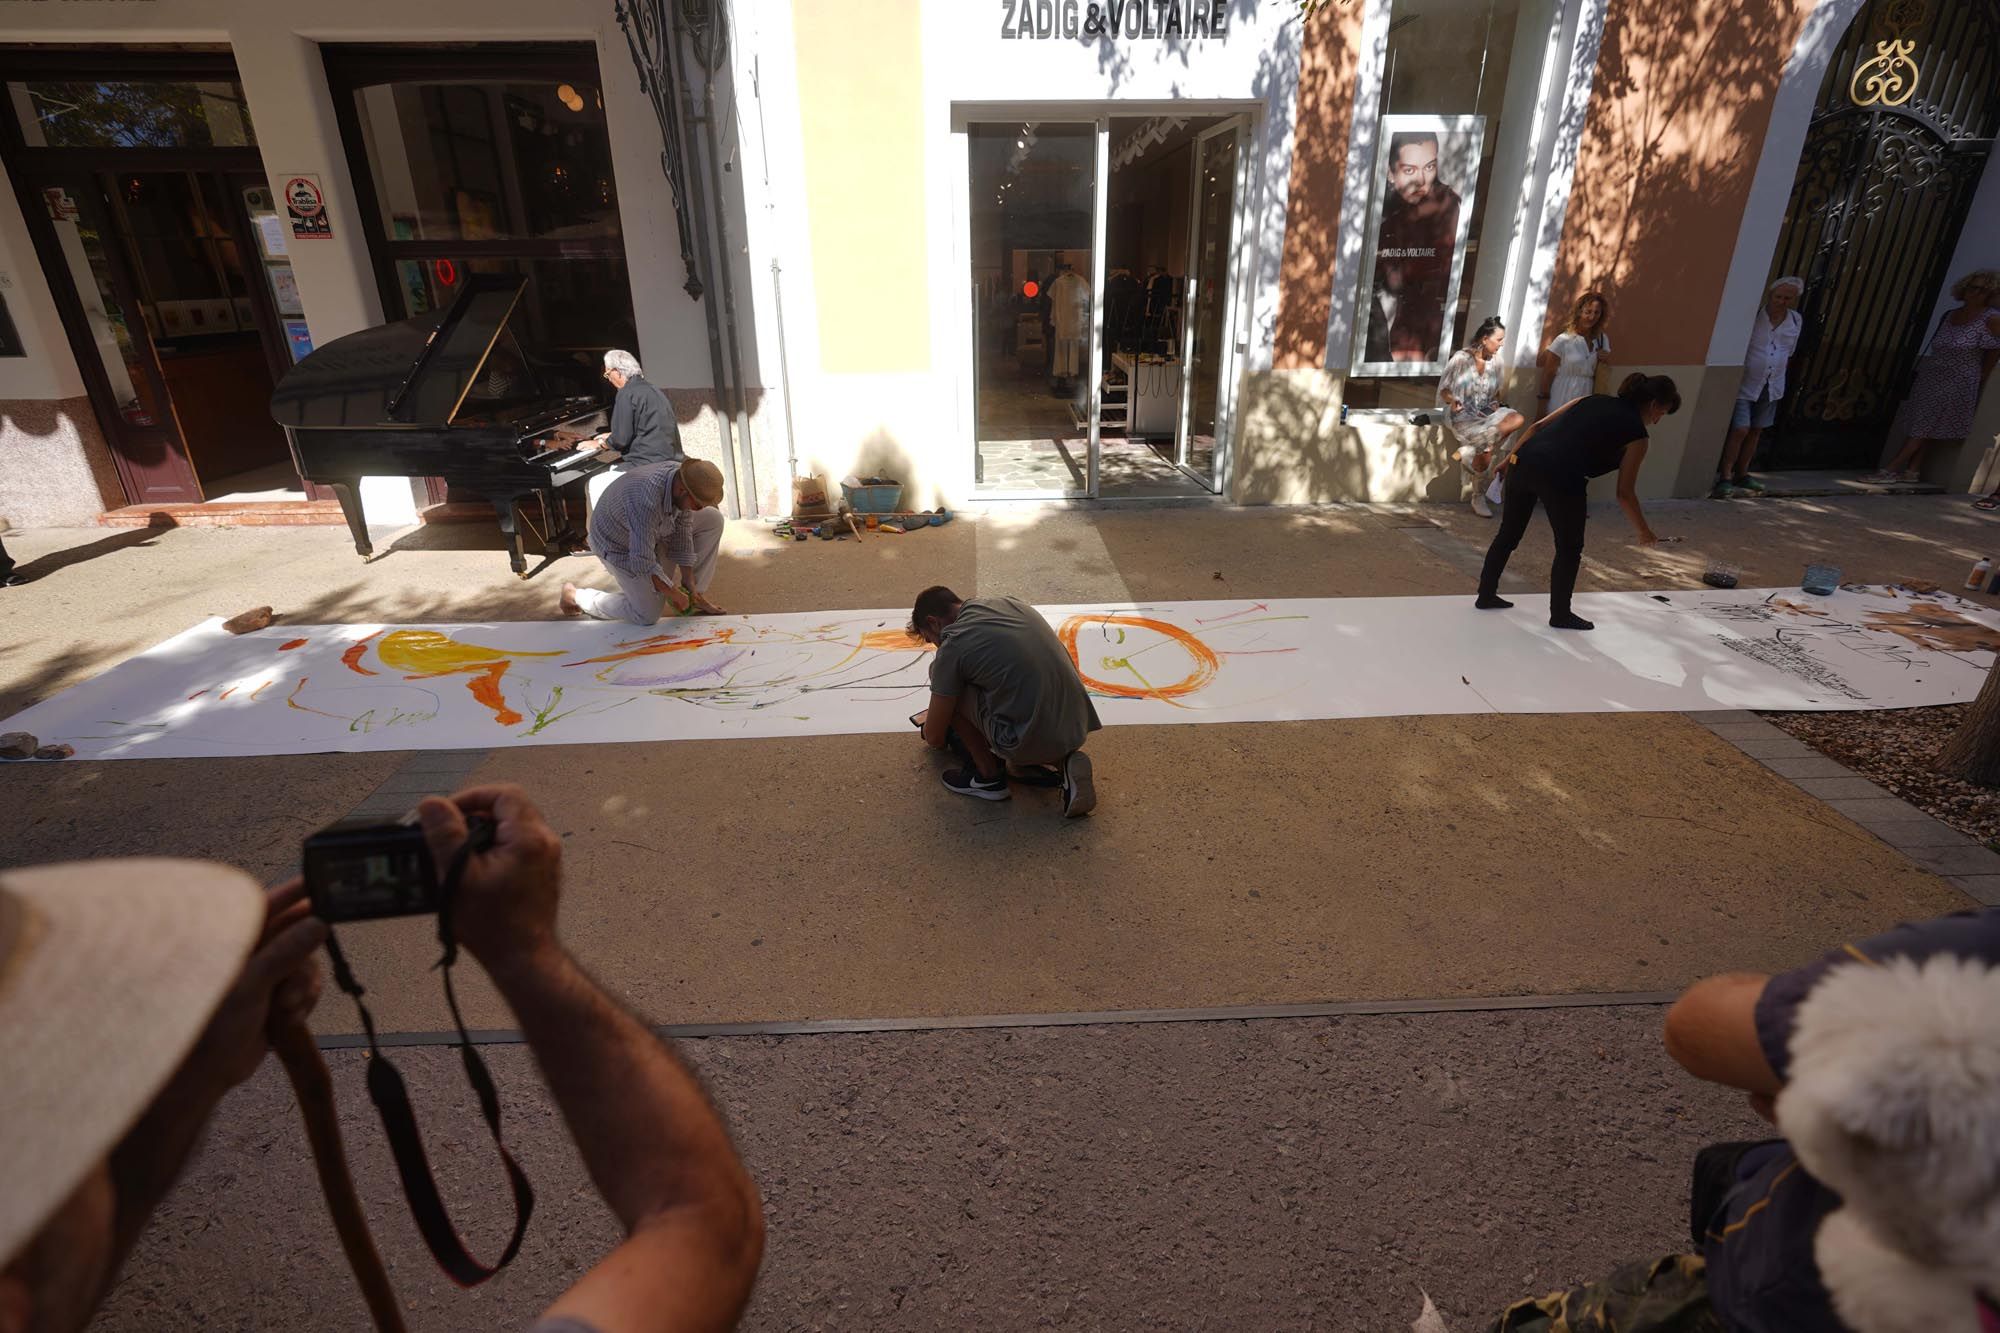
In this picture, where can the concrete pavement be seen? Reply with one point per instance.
(1139, 1183)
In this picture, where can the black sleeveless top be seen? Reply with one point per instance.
(1587, 440)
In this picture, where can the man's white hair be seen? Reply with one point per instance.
(1796, 284)
(623, 362)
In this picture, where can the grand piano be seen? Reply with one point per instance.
(448, 394)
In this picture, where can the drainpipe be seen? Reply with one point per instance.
(784, 370)
(705, 29)
(655, 46)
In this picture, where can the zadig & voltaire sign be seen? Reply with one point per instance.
(1135, 20)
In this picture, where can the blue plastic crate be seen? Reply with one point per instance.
(885, 499)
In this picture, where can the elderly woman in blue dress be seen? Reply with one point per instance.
(1470, 396)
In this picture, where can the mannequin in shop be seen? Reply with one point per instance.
(1069, 310)
(1045, 306)
(1163, 303)
(1123, 300)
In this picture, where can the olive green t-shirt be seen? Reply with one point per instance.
(1031, 702)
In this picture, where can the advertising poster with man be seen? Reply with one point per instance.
(1419, 214)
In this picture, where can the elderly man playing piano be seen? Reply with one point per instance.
(643, 429)
(658, 531)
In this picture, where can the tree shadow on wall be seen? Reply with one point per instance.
(1679, 110)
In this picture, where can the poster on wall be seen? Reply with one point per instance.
(1419, 216)
(305, 205)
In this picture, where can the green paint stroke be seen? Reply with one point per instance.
(546, 716)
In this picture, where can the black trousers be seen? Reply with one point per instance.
(1566, 506)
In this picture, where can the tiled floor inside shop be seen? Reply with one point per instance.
(1057, 466)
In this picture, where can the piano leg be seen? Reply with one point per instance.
(510, 524)
(347, 492)
(555, 544)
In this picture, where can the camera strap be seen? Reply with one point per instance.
(399, 1121)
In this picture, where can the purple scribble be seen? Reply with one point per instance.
(683, 677)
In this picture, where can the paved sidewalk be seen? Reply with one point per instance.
(1295, 1173)
(1313, 1175)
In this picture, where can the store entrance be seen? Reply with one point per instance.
(1104, 279)
(148, 202)
(183, 300)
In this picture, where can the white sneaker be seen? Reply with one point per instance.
(1479, 505)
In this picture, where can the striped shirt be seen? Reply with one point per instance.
(634, 526)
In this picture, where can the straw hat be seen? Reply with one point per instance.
(109, 972)
(703, 480)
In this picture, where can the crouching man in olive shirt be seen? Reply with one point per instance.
(1006, 697)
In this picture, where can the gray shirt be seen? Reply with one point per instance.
(635, 520)
(643, 428)
(1032, 704)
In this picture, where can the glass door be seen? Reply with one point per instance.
(1214, 237)
(195, 292)
(1035, 205)
(146, 442)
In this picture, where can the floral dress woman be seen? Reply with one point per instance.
(1470, 393)
(1947, 388)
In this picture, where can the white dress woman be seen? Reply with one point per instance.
(1577, 359)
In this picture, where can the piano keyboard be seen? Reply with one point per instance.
(569, 460)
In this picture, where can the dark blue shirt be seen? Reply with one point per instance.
(1762, 1277)
(643, 428)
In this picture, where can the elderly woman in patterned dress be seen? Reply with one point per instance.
(1470, 395)
(1961, 355)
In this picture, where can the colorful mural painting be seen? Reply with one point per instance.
(308, 689)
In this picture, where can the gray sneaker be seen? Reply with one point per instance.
(1079, 792)
(967, 782)
(1723, 491)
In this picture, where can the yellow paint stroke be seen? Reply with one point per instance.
(424, 653)
(427, 652)
(893, 641)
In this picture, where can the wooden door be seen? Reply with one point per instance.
(122, 368)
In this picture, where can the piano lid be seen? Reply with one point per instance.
(412, 373)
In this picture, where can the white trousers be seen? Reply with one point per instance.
(639, 600)
(598, 483)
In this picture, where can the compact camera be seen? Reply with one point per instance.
(358, 870)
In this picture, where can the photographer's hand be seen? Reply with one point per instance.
(653, 1144)
(506, 908)
(279, 984)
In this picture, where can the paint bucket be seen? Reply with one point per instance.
(1821, 579)
(1720, 575)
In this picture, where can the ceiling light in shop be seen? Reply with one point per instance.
(570, 97)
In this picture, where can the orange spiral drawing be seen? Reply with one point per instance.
(1202, 656)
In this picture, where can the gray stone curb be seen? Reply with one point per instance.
(1969, 866)
(424, 773)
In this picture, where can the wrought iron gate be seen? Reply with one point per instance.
(1905, 120)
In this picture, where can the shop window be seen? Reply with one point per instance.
(490, 160)
(570, 310)
(153, 113)
(1452, 146)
